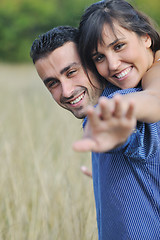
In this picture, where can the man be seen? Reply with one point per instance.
(58, 64)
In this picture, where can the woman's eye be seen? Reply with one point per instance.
(118, 46)
(98, 58)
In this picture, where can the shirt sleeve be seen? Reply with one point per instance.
(142, 144)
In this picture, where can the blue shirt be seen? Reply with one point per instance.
(126, 184)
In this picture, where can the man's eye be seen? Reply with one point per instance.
(118, 46)
(71, 73)
(52, 84)
(99, 58)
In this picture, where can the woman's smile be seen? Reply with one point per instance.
(123, 57)
(123, 74)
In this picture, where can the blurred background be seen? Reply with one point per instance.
(43, 194)
(22, 20)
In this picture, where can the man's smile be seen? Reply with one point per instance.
(77, 99)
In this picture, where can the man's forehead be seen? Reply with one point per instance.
(59, 61)
(65, 55)
(66, 48)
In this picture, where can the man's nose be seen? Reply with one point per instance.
(67, 88)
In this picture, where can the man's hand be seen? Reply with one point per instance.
(108, 126)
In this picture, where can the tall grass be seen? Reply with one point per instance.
(43, 194)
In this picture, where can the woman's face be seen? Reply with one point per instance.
(123, 58)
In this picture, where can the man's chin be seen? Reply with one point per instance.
(79, 115)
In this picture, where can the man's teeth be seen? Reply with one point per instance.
(124, 73)
(77, 99)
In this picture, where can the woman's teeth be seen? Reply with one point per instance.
(123, 73)
(78, 99)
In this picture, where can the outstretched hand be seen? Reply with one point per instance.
(108, 126)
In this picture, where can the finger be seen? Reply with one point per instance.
(86, 172)
(105, 108)
(84, 145)
(93, 117)
(118, 111)
(131, 110)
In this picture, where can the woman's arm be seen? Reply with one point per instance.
(113, 120)
(147, 102)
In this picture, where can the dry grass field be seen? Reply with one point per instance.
(43, 194)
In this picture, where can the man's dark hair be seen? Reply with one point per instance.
(49, 41)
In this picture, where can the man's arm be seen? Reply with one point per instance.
(107, 128)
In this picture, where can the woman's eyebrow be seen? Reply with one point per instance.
(113, 43)
(109, 45)
(94, 54)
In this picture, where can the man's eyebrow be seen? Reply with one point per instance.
(49, 79)
(68, 67)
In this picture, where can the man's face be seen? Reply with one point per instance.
(63, 75)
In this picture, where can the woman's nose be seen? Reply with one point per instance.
(113, 62)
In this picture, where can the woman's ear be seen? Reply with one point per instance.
(147, 41)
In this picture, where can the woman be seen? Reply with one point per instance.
(119, 43)
(120, 16)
